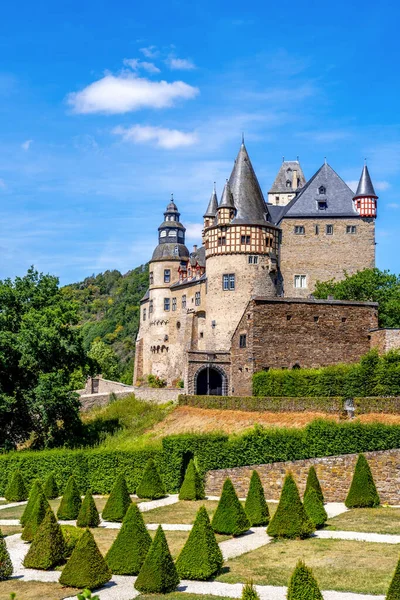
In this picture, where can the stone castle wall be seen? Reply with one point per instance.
(334, 472)
(385, 339)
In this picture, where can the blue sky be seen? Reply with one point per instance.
(108, 107)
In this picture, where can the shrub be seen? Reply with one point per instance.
(313, 483)
(192, 487)
(362, 493)
(87, 595)
(129, 549)
(315, 508)
(86, 567)
(48, 547)
(16, 490)
(303, 585)
(393, 592)
(290, 519)
(33, 494)
(118, 501)
(6, 568)
(256, 507)
(50, 487)
(158, 574)
(71, 502)
(88, 515)
(151, 485)
(230, 517)
(71, 536)
(249, 592)
(200, 557)
(37, 515)
(154, 381)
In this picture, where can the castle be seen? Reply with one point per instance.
(243, 300)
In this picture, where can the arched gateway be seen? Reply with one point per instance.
(211, 381)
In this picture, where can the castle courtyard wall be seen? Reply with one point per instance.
(385, 339)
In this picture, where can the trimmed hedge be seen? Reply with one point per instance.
(192, 487)
(314, 484)
(48, 547)
(314, 508)
(6, 567)
(230, 517)
(88, 515)
(86, 567)
(158, 574)
(393, 592)
(290, 519)
(303, 585)
(118, 501)
(363, 492)
(255, 506)
(33, 494)
(129, 549)
(35, 518)
(265, 404)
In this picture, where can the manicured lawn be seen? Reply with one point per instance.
(10, 530)
(180, 596)
(185, 512)
(33, 590)
(371, 520)
(338, 565)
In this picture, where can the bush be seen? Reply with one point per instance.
(48, 547)
(118, 501)
(230, 517)
(313, 484)
(255, 506)
(6, 568)
(33, 494)
(393, 592)
(71, 502)
(129, 549)
(71, 536)
(87, 595)
(155, 381)
(16, 490)
(158, 574)
(315, 508)
(258, 403)
(36, 517)
(200, 557)
(86, 567)
(249, 592)
(88, 515)
(50, 487)
(151, 485)
(302, 585)
(362, 493)
(290, 519)
(192, 487)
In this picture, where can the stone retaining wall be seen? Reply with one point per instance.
(158, 395)
(89, 401)
(334, 472)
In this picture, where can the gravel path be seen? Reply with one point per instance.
(145, 506)
(253, 539)
(12, 504)
(358, 536)
(334, 509)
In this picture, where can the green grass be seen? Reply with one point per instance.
(180, 596)
(370, 520)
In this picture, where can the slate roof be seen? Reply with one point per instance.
(212, 205)
(226, 198)
(365, 187)
(199, 256)
(146, 296)
(170, 250)
(285, 173)
(338, 197)
(191, 281)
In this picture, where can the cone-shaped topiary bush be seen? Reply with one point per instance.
(151, 485)
(158, 574)
(249, 592)
(192, 487)
(6, 568)
(118, 501)
(313, 483)
(36, 517)
(200, 557)
(303, 585)
(33, 494)
(70, 502)
(16, 490)
(315, 508)
(50, 487)
(362, 493)
(230, 517)
(290, 519)
(88, 515)
(48, 547)
(393, 592)
(86, 567)
(256, 507)
(129, 550)
(71, 536)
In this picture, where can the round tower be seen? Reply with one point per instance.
(365, 199)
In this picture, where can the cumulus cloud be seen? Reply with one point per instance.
(180, 64)
(135, 64)
(26, 145)
(120, 94)
(159, 136)
(194, 231)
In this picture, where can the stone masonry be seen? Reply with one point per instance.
(385, 339)
(334, 473)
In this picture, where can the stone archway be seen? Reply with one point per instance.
(211, 381)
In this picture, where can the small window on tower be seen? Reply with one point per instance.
(151, 278)
(288, 184)
(197, 299)
(173, 303)
(245, 239)
(351, 229)
(276, 199)
(322, 190)
(167, 275)
(150, 307)
(329, 230)
(242, 340)
(316, 229)
(299, 229)
(228, 282)
(144, 314)
(180, 234)
(253, 260)
(166, 303)
(222, 241)
(184, 301)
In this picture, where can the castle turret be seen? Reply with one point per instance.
(226, 208)
(288, 183)
(365, 197)
(211, 212)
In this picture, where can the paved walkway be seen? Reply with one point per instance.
(12, 504)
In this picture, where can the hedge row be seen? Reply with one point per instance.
(98, 469)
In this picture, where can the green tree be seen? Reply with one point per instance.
(71, 501)
(35, 518)
(129, 549)
(40, 347)
(151, 485)
(230, 517)
(106, 359)
(6, 568)
(88, 515)
(192, 487)
(362, 492)
(393, 592)
(303, 585)
(314, 484)
(158, 574)
(16, 489)
(33, 494)
(290, 519)
(315, 509)
(249, 592)
(86, 567)
(118, 501)
(255, 506)
(50, 487)
(48, 546)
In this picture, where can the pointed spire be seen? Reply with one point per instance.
(365, 187)
(247, 195)
(227, 198)
(212, 205)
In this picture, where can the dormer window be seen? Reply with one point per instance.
(322, 190)
(322, 204)
(288, 184)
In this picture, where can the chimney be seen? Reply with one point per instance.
(194, 247)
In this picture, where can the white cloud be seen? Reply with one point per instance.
(160, 136)
(26, 145)
(135, 64)
(180, 64)
(150, 51)
(194, 231)
(381, 185)
(116, 95)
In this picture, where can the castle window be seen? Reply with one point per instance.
(329, 230)
(197, 299)
(166, 303)
(151, 278)
(201, 334)
(299, 230)
(322, 204)
(180, 234)
(163, 234)
(245, 239)
(344, 319)
(300, 281)
(167, 275)
(351, 229)
(144, 314)
(222, 241)
(242, 340)
(316, 229)
(228, 282)
(322, 190)
(172, 233)
(184, 301)
(316, 319)
(253, 260)
(288, 184)
(173, 303)
(150, 307)
(276, 199)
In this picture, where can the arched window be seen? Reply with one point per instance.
(288, 184)
(322, 189)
